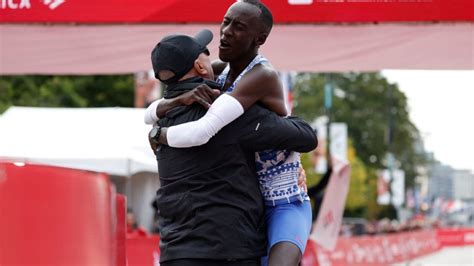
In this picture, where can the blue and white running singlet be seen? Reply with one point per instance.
(277, 170)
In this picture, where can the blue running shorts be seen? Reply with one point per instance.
(288, 222)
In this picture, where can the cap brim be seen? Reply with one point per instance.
(204, 37)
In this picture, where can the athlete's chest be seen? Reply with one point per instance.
(227, 84)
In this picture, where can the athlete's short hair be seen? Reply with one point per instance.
(265, 15)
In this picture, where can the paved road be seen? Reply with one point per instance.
(452, 256)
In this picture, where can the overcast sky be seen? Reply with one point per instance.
(442, 107)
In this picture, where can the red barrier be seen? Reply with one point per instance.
(456, 237)
(58, 216)
(143, 250)
(374, 250)
(121, 230)
(55, 216)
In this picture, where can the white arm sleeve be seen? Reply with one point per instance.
(150, 112)
(223, 110)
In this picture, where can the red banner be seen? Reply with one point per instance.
(202, 11)
(374, 250)
(143, 250)
(456, 237)
(366, 250)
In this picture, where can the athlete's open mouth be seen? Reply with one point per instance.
(224, 44)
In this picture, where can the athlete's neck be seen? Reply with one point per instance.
(237, 66)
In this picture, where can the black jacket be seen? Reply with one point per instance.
(209, 202)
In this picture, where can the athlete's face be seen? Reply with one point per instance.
(239, 31)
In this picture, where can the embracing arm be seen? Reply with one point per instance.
(224, 110)
(227, 108)
(270, 131)
(201, 94)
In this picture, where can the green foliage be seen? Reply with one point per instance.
(364, 104)
(357, 196)
(312, 178)
(66, 91)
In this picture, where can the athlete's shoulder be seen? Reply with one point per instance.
(264, 72)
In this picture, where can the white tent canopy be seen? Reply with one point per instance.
(110, 140)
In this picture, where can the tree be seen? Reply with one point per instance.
(357, 198)
(362, 101)
(66, 91)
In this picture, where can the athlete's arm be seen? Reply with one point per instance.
(263, 85)
(229, 107)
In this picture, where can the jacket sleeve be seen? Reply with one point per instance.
(322, 184)
(266, 130)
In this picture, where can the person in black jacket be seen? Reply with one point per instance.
(211, 211)
(317, 191)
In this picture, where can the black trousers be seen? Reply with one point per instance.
(209, 262)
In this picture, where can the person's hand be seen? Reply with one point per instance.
(302, 179)
(202, 94)
(153, 145)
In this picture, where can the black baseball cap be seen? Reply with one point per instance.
(178, 52)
